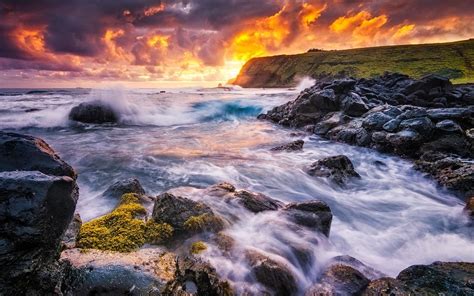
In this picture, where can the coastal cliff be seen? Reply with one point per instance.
(452, 60)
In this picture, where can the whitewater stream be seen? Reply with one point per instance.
(181, 139)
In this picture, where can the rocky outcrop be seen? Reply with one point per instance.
(38, 198)
(313, 214)
(428, 119)
(93, 112)
(25, 153)
(72, 232)
(293, 146)
(336, 168)
(119, 188)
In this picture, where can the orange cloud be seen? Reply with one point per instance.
(30, 40)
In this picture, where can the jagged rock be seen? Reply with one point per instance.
(196, 277)
(339, 279)
(272, 274)
(353, 105)
(313, 214)
(439, 278)
(293, 146)
(35, 210)
(325, 99)
(330, 121)
(93, 112)
(185, 215)
(337, 168)
(25, 153)
(72, 232)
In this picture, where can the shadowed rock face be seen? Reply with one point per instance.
(38, 195)
(427, 119)
(313, 214)
(25, 153)
(337, 168)
(93, 112)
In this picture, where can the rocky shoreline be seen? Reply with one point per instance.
(429, 121)
(46, 250)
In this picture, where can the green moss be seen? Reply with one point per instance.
(204, 222)
(122, 230)
(198, 247)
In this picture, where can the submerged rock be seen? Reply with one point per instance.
(313, 214)
(293, 146)
(272, 274)
(93, 112)
(337, 168)
(196, 277)
(257, 202)
(25, 153)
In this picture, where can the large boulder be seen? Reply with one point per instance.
(272, 274)
(35, 211)
(440, 278)
(185, 215)
(337, 168)
(313, 214)
(93, 112)
(25, 153)
(119, 188)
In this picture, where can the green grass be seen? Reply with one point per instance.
(454, 60)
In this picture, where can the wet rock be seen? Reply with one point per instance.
(119, 188)
(93, 112)
(26, 153)
(422, 125)
(376, 120)
(405, 139)
(353, 105)
(325, 99)
(391, 125)
(293, 146)
(439, 278)
(448, 126)
(72, 232)
(196, 277)
(367, 271)
(257, 202)
(313, 214)
(35, 210)
(224, 242)
(330, 121)
(337, 168)
(144, 272)
(339, 279)
(387, 287)
(469, 208)
(449, 113)
(185, 215)
(272, 274)
(220, 189)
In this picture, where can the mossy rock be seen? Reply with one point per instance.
(198, 247)
(204, 222)
(122, 230)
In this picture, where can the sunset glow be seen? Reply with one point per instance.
(201, 41)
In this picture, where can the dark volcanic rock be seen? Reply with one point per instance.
(185, 215)
(339, 279)
(35, 210)
(337, 168)
(26, 153)
(93, 112)
(257, 202)
(196, 277)
(440, 278)
(272, 274)
(313, 214)
(293, 146)
(391, 113)
(119, 188)
(72, 232)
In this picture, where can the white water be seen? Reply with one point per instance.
(390, 219)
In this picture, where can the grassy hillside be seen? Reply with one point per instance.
(454, 60)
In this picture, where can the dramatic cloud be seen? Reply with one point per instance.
(193, 40)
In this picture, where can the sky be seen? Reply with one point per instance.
(150, 43)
